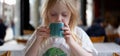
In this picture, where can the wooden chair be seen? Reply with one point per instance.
(7, 53)
(27, 32)
(96, 39)
(111, 37)
(116, 54)
(23, 41)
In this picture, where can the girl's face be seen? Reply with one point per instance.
(59, 13)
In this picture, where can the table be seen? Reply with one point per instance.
(15, 48)
(107, 49)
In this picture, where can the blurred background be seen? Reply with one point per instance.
(22, 17)
(19, 19)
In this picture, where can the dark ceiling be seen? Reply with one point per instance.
(112, 4)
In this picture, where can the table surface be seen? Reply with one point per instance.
(104, 49)
(107, 49)
(14, 47)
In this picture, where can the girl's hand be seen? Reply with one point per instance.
(42, 33)
(67, 34)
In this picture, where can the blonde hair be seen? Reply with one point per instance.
(72, 6)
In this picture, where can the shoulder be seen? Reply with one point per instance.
(80, 32)
(86, 42)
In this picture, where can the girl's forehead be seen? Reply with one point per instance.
(59, 6)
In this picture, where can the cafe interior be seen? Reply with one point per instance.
(100, 19)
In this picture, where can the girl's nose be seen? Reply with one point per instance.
(59, 19)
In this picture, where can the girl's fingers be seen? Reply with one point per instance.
(65, 23)
(43, 31)
(65, 29)
(42, 35)
(47, 31)
(67, 33)
(67, 37)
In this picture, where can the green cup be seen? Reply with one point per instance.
(56, 29)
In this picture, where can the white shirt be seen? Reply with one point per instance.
(61, 43)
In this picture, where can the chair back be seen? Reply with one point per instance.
(7, 53)
(96, 39)
(112, 37)
(116, 54)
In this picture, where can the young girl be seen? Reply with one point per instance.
(75, 41)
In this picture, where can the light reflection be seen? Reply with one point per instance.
(10, 2)
(9, 34)
(89, 12)
(1, 1)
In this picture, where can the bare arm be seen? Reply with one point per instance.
(40, 34)
(78, 50)
(74, 46)
(33, 50)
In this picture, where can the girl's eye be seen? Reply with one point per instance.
(64, 15)
(53, 14)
